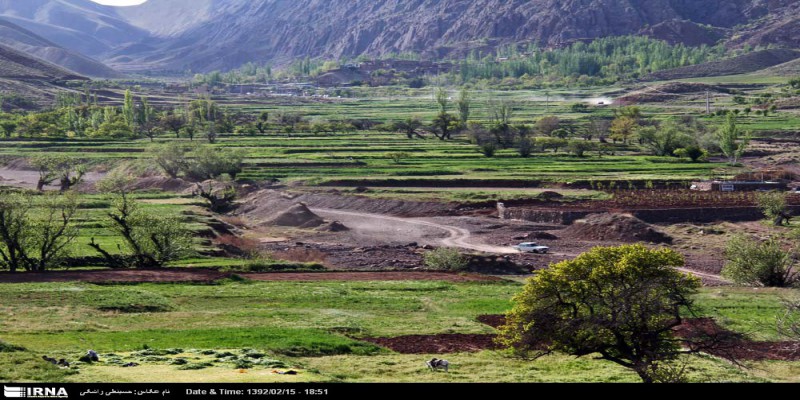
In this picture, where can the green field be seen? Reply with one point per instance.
(312, 327)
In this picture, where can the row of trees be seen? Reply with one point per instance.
(37, 233)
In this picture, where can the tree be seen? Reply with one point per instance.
(409, 126)
(67, 170)
(442, 99)
(464, 103)
(525, 147)
(580, 147)
(171, 158)
(732, 141)
(750, 262)
(547, 125)
(129, 110)
(217, 201)
(624, 128)
(665, 139)
(173, 123)
(692, 152)
(35, 235)
(8, 127)
(598, 127)
(263, 122)
(444, 125)
(210, 163)
(150, 241)
(773, 205)
(619, 302)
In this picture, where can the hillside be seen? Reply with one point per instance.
(26, 41)
(79, 25)
(17, 65)
(30, 81)
(751, 62)
(280, 30)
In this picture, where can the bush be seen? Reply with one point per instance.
(488, 149)
(446, 259)
(773, 205)
(750, 262)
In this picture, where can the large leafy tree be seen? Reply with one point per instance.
(619, 302)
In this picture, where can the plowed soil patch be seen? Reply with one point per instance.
(743, 350)
(117, 276)
(436, 344)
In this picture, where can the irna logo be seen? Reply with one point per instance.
(34, 393)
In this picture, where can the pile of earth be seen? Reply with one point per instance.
(615, 227)
(161, 183)
(297, 216)
(334, 226)
(672, 91)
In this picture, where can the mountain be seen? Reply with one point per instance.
(204, 35)
(27, 82)
(17, 65)
(165, 18)
(80, 25)
(28, 42)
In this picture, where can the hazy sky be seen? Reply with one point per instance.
(119, 2)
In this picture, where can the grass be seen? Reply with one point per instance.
(304, 325)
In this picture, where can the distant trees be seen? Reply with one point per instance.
(197, 163)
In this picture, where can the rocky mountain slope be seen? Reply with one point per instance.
(80, 25)
(202, 35)
(279, 30)
(28, 42)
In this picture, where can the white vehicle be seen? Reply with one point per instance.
(531, 247)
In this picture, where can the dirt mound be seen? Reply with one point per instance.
(672, 91)
(436, 344)
(162, 184)
(619, 227)
(334, 226)
(297, 216)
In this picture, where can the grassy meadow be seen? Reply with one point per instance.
(239, 330)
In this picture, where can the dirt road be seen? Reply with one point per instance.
(412, 229)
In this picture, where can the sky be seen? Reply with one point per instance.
(119, 2)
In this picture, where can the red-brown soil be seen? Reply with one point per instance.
(207, 275)
(734, 347)
(436, 344)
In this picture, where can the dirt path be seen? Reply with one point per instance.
(389, 226)
(705, 276)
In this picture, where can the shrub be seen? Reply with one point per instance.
(488, 149)
(446, 259)
(773, 205)
(750, 262)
